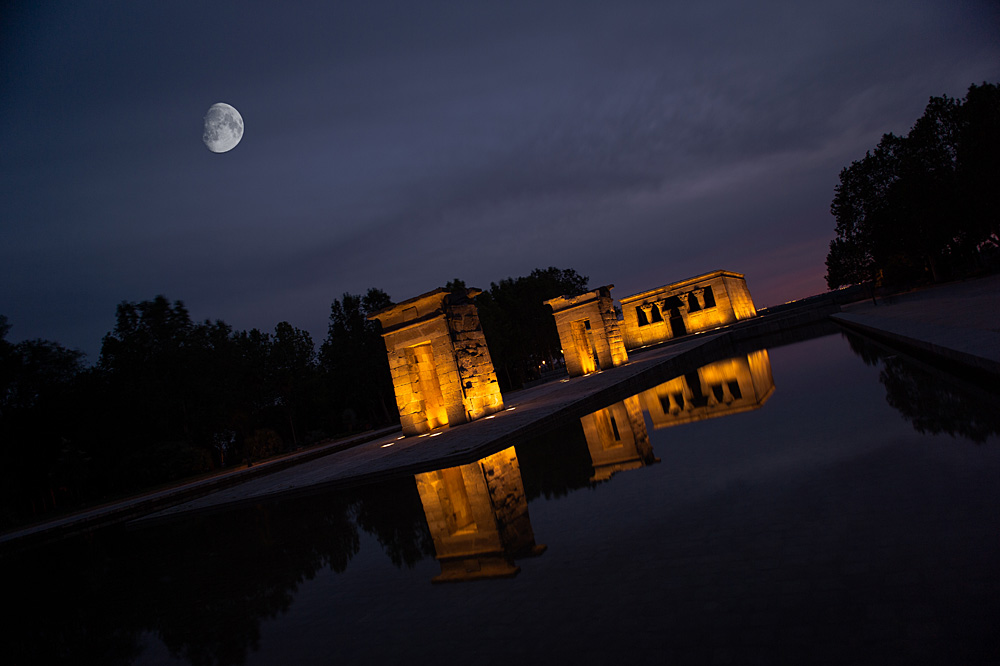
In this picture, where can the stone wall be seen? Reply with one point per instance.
(441, 369)
(589, 332)
(718, 389)
(697, 304)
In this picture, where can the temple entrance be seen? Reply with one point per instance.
(583, 341)
(454, 497)
(427, 388)
(677, 326)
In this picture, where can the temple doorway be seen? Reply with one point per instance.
(583, 342)
(677, 326)
(424, 378)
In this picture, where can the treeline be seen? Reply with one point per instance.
(925, 206)
(170, 398)
(519, 327)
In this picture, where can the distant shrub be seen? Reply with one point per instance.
(164, 462)
(263, 443)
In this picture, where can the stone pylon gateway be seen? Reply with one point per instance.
(442, 372)
(588, 331)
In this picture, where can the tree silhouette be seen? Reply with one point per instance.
(163, 373)
(147, 359)
(393, 513)
(978, 169)
(354, 362)
(932, 402)
(44, 461)
(293, 363)
(922, 206)
(519, 327)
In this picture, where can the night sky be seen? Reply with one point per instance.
(400, 145)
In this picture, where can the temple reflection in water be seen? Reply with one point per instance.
(617, 438)
(478, 518)
(725, 387)
(477, 513)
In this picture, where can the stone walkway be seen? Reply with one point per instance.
(526, 413)
(960, 322)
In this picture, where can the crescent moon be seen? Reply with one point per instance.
(223, 128)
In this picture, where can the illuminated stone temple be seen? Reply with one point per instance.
(442, 373)
(722, 388)
(478, 518)
(588, 331)
(617, 439)
(697, 304)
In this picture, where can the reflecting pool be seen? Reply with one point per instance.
(826, 501)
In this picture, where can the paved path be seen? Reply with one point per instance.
(958, 321)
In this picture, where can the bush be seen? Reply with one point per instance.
(164, 462)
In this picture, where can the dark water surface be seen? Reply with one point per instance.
(778, 507)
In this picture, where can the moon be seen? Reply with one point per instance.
(223, 128)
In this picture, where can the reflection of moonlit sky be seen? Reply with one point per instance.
(401, 145)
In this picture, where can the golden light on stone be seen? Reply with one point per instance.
(697, 304)
(722, 388)
(617, 439)
(588, 331)
(442, 373)
(478, 518)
